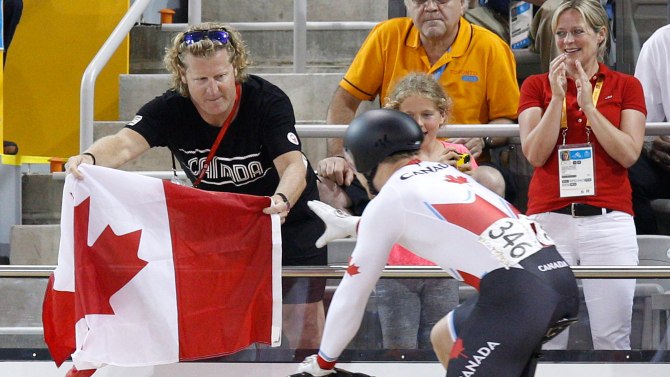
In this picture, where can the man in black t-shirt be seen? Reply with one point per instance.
(233, 132)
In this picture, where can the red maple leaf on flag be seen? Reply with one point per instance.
(74, 372)
(458, 180)
(103, 268)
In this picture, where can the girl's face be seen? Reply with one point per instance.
(425, 113)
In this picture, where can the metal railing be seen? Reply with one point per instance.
(453, 130)
(87, 91)
(456, 130)
(338, 270)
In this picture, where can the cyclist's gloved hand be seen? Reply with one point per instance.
(339, 224)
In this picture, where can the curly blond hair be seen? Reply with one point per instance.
(422, 84)
(175, 54)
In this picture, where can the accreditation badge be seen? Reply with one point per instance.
(575, 170)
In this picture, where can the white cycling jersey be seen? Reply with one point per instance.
(440, 214)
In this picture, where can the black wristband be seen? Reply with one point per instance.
(285, 199)
(89, 154)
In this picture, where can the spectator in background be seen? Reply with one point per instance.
(11, 14)
(650, 176)
(476, 69)
(599, 116)
(494, 15)
(213, 99)
(542, 34)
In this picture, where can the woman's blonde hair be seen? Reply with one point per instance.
(421, 84)
(593, 14)
(176, 53)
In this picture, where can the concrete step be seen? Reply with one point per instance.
(271, 50)
(40, 199)
(35, 244)
(282, 10)
(21, 300)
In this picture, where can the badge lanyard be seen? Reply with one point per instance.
(564, 114)
(576, 171)
(224, 128)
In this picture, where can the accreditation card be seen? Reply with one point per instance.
(576, 171)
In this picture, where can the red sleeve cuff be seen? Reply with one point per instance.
(323, 364)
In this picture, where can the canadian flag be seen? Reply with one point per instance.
(150, 272)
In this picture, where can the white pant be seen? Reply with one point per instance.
(606, 240)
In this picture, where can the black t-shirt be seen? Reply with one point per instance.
(263, 129)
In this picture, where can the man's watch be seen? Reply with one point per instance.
(488, 142)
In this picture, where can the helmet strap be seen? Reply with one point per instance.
(369, 177)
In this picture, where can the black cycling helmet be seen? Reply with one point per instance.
(377, 134)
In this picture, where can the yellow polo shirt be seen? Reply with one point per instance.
(480, 72)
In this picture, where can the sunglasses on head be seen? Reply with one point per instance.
(192, 37)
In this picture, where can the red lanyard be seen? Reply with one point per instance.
(224, 128)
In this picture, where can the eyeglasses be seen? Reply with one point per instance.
(576, 34)
(420, 3)
(219, 35)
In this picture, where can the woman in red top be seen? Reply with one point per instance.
(594, 118)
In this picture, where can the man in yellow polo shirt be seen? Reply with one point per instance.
(476, 68)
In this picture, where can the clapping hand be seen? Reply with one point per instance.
(584, 89)
(557, 77)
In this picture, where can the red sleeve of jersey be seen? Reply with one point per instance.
(532, 92)
(633, 96)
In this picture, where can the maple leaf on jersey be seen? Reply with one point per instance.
(459, 180)
(103, 268)
(458, 350)
(352, 269)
